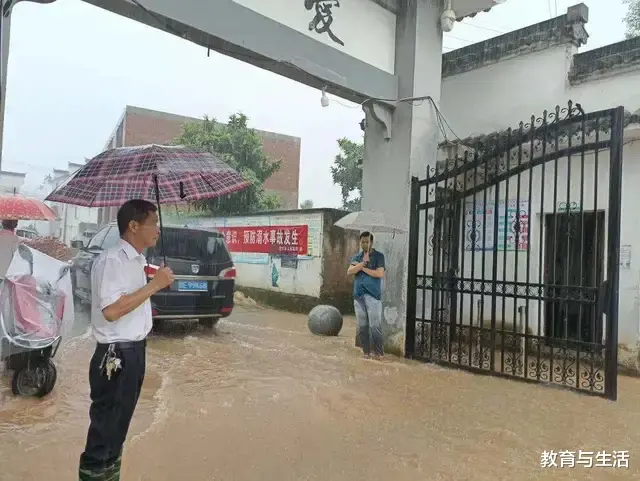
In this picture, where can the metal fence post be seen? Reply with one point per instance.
(412, 268)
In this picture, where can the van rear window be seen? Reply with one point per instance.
(191, 244)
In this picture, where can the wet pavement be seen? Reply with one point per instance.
(265, 399)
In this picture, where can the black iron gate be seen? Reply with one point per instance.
(514, 253)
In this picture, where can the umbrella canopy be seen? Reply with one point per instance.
(15, 207)
(178, 173)
(369, 221)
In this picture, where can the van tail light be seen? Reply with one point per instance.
(150, 270)
(226, 310)
(228, 273)
(154, 312)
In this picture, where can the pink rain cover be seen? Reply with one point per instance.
(33, 313)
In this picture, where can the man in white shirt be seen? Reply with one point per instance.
(120, 321)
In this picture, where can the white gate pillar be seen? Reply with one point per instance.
(401, 140)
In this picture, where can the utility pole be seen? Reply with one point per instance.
(3, 87)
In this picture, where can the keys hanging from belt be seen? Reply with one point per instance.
(110, 361)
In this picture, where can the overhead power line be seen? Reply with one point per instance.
(501, 32)
(461, 39)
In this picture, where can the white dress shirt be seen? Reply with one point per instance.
(116, 272)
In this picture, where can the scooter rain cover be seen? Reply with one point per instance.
(36, 302)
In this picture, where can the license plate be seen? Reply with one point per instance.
(193, 286)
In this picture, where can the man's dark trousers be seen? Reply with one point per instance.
(113, 402)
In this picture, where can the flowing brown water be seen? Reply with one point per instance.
(265, 399)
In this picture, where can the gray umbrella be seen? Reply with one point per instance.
(370, 221)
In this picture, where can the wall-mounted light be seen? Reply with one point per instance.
(363, 124)
(324, 100)
(448, 17)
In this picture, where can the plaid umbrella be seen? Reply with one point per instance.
(160, 173)
(165, 174)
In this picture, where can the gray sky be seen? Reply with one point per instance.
(73, 68)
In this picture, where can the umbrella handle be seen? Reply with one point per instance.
(157, 189)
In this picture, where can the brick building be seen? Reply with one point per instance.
(139, 126)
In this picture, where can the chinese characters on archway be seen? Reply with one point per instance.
(291, 239)
(321, 22)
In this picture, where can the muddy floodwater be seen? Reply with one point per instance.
(265, 399)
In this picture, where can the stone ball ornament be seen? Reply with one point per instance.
(325, 320)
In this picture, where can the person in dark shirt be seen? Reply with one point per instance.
(368, 268)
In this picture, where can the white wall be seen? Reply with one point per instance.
(10, 182)
(255, 269)
(501, 95)
(629, 314)
(76, 215)
(56, 227)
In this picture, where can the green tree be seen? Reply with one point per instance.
(241, 148)
(632, 19)
(346, 173)
(306, 204)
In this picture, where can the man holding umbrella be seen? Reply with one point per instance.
(368, 268)
(121, 319)
(121, 310)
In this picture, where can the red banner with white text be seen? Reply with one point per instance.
(279, 239)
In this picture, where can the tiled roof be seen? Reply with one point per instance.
(567, 28)
(610, 58)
